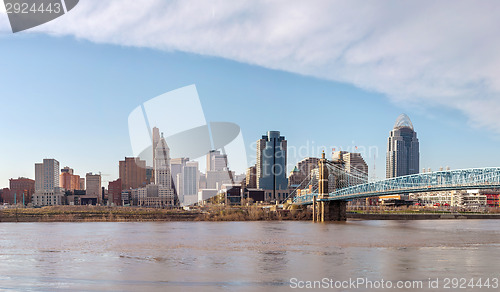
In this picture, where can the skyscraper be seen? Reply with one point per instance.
(47, 190)
(47, 175)
(188, 183)
(271, 166)
(216, 161)
(156, 139)
(402, 149)
(162, 164)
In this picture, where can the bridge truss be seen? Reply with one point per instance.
(476, 178)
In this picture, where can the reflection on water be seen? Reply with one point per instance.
(240, 256)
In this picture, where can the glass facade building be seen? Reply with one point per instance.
(403, 154)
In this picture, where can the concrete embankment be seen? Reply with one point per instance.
(429, 216)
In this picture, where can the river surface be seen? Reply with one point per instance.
(245, 256)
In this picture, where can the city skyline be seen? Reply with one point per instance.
(84, 123)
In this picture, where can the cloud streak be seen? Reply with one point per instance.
(426, 53)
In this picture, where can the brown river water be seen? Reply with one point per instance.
(249, 256)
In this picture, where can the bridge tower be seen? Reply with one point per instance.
(323, 208)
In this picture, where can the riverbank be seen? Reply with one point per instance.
(213, 213)
(424, 216)
(138, 214)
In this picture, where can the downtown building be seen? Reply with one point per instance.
(271, 166)
(69, 181)
(93, 188)
(132, 173)
(20, 190)
(402, 149)
(47, 189)
(160, 193)
(188, 183)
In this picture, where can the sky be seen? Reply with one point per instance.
(324, 73)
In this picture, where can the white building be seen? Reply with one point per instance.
(470, 198)
(188, 183)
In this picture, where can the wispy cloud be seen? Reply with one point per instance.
(427, 53)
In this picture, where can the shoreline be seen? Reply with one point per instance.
(214, 213)
(425, 216)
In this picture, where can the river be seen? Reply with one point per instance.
(246, 256)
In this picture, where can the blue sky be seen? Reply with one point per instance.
(67, 95)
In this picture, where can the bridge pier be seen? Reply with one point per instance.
(333, 211)
(324, 209)
(315, 209)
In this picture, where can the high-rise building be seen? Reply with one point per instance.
(162, 164)
(188, 180)
(176, 167)
(21, 189)
(402, 149)
(271, 166)
(302, 171)
(68, 180)
(47, 189)
(251, 178)
(216, 161)
(93, 187)
(353, 162)
(156, 139)
(133, 173)
(47, 175)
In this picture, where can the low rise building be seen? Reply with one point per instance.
(156, 196)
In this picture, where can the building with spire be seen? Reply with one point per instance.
(403, 154)
(161, 193)
(162, 172)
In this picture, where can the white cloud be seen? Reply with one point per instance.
(431, 53)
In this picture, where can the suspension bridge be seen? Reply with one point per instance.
(331, 186)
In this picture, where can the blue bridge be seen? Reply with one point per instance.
(329, 203)
(476, 178)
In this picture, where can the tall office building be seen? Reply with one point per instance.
(162, 164)
(302, 171)
(353, 162)
(93, 187)
(188, 183)
(251, 177)
(271, 166)
(156, 139)
(133, 173)
(176, 167)
(216, 161)
(47, 175)
(68, 180)
(47, 189)
(402, 149)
